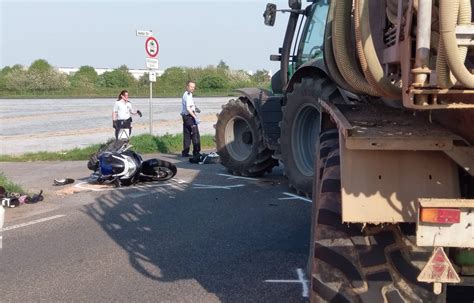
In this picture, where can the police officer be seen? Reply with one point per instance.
(190, 122)
(121, 115)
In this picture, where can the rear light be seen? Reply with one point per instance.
(440, 215)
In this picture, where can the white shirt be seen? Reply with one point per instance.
(187, 102)
(122, 109)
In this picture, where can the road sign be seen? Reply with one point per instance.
(144, 33)
(152, 47)
(152, 76)
(152, 63)
(439, 269)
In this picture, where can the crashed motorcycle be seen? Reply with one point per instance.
(117, 164)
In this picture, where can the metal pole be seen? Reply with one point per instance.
(151, 109)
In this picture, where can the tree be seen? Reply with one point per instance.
(85, 77)
(40, 66)
(119, 77)
(223, 65)
(16, 80)
(143, 80)
(213, 82)
(261, 77)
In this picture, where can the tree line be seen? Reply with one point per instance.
(41, 78)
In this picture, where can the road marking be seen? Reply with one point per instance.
(295, 197)
(204, 186)
(32, 222)
(230, 177)
(301, 280)
(138, 195)
(104, 187)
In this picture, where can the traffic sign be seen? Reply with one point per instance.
(439, 269)
(152, 76)
(152, 47)
(152, 63)
(144, 33)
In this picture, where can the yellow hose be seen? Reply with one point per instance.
(329, 52)
(375, 73)
(445, 78)
(448, 19)
(346, 63)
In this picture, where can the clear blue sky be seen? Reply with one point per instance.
(101, 33)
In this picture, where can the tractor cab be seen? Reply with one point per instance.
(307, 44)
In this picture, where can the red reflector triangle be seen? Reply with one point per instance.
(439, 269)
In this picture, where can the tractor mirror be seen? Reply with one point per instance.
(269, 15)
(294, 4)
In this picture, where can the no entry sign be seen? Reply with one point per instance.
(152, 47)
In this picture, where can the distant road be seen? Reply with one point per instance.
(30, 125)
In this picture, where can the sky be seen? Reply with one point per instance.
(102, 33)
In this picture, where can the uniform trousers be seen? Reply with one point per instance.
(190, 133)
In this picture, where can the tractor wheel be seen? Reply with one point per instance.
(356, 263)
(239, 140)
(300, 128)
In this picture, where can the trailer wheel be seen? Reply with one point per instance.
(300, 128)
(239, 140)
(353, 263)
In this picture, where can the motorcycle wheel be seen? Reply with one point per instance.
(164, 171)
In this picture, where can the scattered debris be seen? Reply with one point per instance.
(12, 199)
(65, 181)
(211, 158)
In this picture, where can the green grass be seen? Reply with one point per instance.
(143, 144)
(9, 185)
(111, 93)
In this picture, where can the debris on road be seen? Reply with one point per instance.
(65, 181)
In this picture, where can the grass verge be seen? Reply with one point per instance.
(9, 185)
(143, 144)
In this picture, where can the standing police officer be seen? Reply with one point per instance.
(121, 115)
(190, 122)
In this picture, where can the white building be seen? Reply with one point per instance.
(136, 73)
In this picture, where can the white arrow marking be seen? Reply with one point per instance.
(295, 197)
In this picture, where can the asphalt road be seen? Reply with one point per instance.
(30, 125)
(204, 236)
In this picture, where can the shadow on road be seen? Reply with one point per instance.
(228, 241)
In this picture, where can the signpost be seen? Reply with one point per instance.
(152, 48)
(152, 63)
(152, 76)
(144, 33)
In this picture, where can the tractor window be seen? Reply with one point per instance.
(311, 42)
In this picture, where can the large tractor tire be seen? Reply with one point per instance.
(300, 129)
(239, 140)
(356, 263)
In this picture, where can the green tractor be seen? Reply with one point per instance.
(260, 128)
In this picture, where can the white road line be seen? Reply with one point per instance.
(295, 197)
(230, 177)
(301, 280)
(31, 222)
(204, 186)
